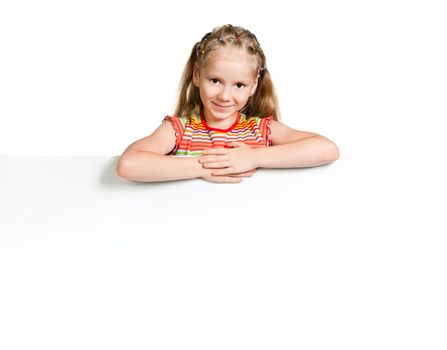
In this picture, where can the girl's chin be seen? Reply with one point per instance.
(221, 115)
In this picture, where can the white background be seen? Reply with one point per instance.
(90, 77)
(345, 256)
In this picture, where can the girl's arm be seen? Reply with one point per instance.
(147, 160)
(293, 148)
(290, 149)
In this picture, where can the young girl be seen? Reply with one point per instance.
(226, 123)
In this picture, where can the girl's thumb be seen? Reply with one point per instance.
(237, 144)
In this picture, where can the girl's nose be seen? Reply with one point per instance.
(225, 93)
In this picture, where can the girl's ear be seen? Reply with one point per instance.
(196, 76)
(255, 85)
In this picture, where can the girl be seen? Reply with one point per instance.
(226, 123)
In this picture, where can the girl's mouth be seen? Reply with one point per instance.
(222, 107)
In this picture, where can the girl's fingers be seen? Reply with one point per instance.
(203, 160)
(230, 172)
(226, 179)
(242, 175)
(217, 165)
(232, 179)
(239, 144)
(245, 173)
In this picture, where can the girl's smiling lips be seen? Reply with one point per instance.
(221, 106)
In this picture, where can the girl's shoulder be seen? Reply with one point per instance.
(262, 122)
(257, 124)
(245, 118)
(184, 120)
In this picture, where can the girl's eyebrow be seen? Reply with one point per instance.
(217, 76)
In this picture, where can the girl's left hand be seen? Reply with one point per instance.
(235, 160)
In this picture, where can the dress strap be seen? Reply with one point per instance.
(264, 127)
(178, 128)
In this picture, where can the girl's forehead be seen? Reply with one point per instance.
(232, 56)
(230, 53)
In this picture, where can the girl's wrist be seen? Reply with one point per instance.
(257, 156)
(192, 166)
(199, 170)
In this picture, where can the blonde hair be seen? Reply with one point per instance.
(263, 103)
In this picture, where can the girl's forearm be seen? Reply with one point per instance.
(306, 152)
(150, 167)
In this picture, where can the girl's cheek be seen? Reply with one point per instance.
(212, 89)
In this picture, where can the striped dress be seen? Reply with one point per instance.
(193, 134)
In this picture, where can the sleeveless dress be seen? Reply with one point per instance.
(193, 134)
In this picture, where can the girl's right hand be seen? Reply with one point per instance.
(231, 178)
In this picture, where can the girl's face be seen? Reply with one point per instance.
(225, 84)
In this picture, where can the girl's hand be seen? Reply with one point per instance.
(229, 161)
(233, 178)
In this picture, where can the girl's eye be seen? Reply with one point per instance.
(214, 81)
(240, 85)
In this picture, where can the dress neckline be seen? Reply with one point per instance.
(202, 118)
